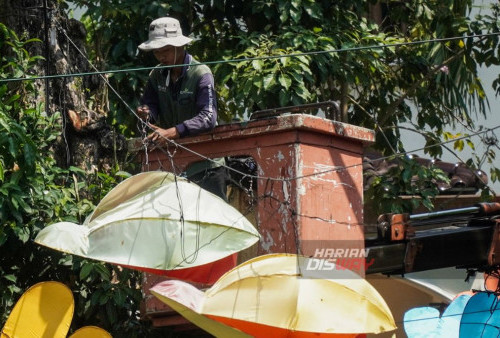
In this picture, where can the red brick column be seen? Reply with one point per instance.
(311, 186)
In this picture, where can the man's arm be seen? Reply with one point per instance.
(206, 105)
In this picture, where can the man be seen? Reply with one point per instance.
(180, 101)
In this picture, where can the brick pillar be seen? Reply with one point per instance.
(310, 193)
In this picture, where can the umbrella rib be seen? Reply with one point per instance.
(197, 246)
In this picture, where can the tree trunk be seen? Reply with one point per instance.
(86, 141)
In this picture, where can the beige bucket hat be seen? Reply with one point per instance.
(162, 32)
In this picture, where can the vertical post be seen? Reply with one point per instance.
(310, 191)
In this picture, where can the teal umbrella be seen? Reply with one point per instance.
(426, 321)
(481, 317)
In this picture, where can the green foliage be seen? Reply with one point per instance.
(262, 81)
(34, 192)
(277, 53)
(281, 52)
(235, 29)
(115, 28)
(407, 178)
(380, 87)
(107, 296)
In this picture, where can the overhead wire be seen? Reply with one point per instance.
(97, 72)
(259, 177)
(203, 157)
(266, 57)
(289, 179)
(337, 168)
(285, 180)
(187, 257)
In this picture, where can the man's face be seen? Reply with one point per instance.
(166, 55)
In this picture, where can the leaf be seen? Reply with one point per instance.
(123, 174)
(470, 144)
(119, 297)
(29, 156)
(296, 3)
(284, 61)
(257, 64)
(257, 82)
(103, 299)
(2, 171)
(3, 235)
(285, 81)
(14, 202)
(283, 16)
(428, 204)
(11, 278)
(269, 81)
(77, 170)
(23, 233)
(86, 270)
(12, 147)
(103, 272)
(406, 175)
(303, 93)
(283, 98)
(295, 15)
(11, 99)
(459, 144)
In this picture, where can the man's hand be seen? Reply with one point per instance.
(143, 112)
(159, 136)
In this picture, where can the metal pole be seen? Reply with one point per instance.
(444, 213)
(272, 111)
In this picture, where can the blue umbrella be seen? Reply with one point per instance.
(452, 316)
(426, 322)
(421, 322)
(481, 317)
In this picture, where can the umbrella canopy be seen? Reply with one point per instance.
(155, 221)
(90, 332)
(187, 300)
(45, 310)
(481, 316)
(426, 321)
(272, 296)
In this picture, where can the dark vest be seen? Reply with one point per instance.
(174, 110)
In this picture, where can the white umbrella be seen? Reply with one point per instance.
(155, 221)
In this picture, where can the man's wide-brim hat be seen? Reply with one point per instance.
(164, 32)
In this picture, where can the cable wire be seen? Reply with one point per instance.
(267, 57)
(176, 144)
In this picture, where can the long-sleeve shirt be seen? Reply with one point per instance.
(161, 87)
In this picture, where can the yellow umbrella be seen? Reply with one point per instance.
(155, 221)
(276, 296)
(45, 310)
(90, 332)
(186, 300)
